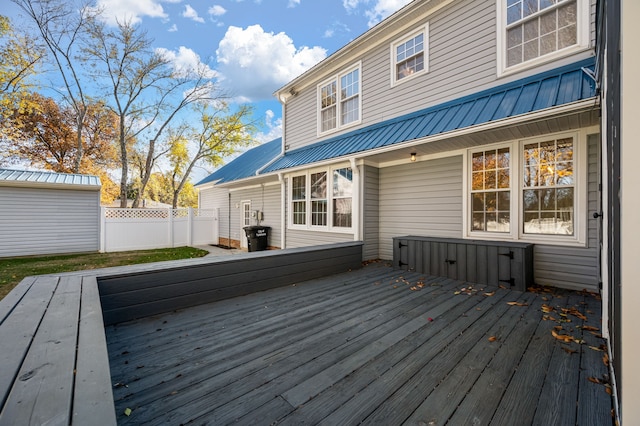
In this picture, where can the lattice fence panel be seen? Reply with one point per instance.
(204, 213)
(112, 213)
(180, 213)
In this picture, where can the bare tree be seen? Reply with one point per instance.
(145, 89)
(61, 25)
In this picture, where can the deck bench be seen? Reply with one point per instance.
(53, 352)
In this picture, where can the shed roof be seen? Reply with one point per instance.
(247, 164)
(9, 177)
(561, 86)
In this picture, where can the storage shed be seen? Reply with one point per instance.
(48, 213)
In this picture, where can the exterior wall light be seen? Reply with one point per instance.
(413, 156)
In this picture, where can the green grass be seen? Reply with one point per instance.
(13, 270)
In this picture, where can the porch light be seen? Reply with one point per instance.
(413, 156)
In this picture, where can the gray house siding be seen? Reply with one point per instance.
(569, 267)
(370, 212)
(423, 198)
(46, 221)
(264, 198)
(217, 198)
(459, 65)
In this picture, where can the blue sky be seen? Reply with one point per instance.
(253, 46)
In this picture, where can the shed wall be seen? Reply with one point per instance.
(37, 221)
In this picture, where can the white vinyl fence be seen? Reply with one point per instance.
(141, 229)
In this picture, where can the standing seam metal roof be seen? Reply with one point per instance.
(247, 164)
(554, 88)
(48, 178)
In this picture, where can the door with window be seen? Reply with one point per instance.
(245, 220)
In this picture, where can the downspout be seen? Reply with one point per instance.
(229, 224)
(355, 204)
(283, 209)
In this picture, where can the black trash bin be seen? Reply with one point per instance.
(257, 237)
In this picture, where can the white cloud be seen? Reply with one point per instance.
(336, 28)
(273, 128)
(384, 8)
(185, 62)
(190, 12)
(217, 10)
(127, 11)
(350, 5)
(293, 3)
(173, 28)
(254, 64)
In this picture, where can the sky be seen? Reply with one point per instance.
(254, 47)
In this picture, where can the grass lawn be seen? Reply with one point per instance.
(13, 270)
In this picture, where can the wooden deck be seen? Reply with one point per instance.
(375, 346)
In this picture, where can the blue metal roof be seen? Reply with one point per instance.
(35, 178)
(554, 88)
(247, 164)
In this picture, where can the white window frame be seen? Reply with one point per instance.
(583, 39)
(337, 79)
(424, 30)
(330, 201)
(516, 233)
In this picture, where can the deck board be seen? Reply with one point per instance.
(375, 346)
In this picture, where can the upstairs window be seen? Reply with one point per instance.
(408, 55)
(534, 30)
(339, 101)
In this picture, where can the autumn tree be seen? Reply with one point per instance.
(20, 56)
(45, 137)
(62, 26)
(218, 134)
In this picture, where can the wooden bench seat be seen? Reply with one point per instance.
(53, 352)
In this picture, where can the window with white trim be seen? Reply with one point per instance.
(527, 190)
(409, 55)
(313, 206)
(339, 101)
(533, 30)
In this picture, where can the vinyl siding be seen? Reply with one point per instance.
(423, 198)
(47, 221)
(297, 238)
(267, 200)
(370, 212)
(568, 267)
(217, 198)
(460, 63)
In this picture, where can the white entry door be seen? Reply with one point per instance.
(245, 221)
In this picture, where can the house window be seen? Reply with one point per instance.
(537, 29)
(340, 101)
(298, 200)
(342, 196)
(548, 187)
(322, 199)
(526, 190)
(491, 190)
(408, 55)
(319, 199)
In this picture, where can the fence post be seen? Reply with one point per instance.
(190, 227)
(170, 226)
(103, 229)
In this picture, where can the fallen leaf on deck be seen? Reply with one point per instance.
(558, 327)
(457, 292)
(430, 319)
(570, 351)
(546, 308)
(493, 338)
(127, 411)
(490, 294)
(590, 328)
(562, 337)
(595, 348)
(605, 359)
(594, 380)
(517, 304)
(413, 288)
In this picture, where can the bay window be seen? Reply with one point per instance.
(322, 200)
